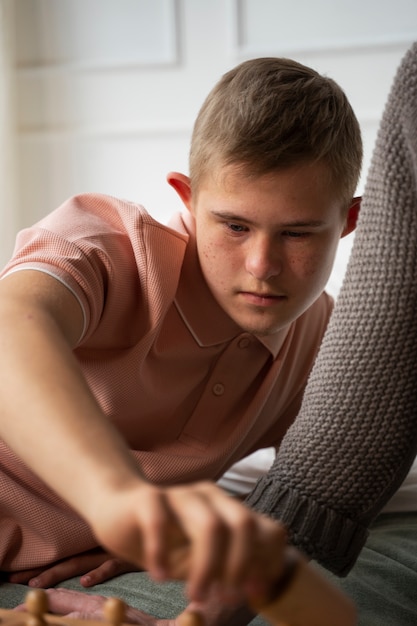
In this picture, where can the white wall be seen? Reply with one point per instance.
(107, 90)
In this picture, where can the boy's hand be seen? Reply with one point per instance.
(194, 532)
(94, 567)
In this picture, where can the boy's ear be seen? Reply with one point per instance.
(182, 185)
(352, 216)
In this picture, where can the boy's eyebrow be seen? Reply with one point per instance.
(295, 224)
(301, 223)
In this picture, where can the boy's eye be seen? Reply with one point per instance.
(237, 228)
(295, 234)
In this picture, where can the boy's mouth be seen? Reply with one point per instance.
(262, 299)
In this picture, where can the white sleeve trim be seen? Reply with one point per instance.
(45, 271)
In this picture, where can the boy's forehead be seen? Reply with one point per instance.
(305, 191)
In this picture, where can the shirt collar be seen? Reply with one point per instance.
(207, 321)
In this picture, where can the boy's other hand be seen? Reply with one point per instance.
(94, 567)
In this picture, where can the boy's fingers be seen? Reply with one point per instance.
(255, 543)
(23, 576)
(66, 569)
(228, 542)
(107, 570)
(208, 537)
(158, 532)
(65, 601)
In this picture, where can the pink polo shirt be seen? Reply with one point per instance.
(190, 392)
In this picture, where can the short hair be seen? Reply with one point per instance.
(270, 113)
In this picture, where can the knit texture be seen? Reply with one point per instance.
(356, 434)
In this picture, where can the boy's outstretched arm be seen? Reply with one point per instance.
(51, 420)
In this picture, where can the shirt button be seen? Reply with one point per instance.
(218, 389)
(243, 343)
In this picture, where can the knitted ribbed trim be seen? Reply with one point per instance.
(322, 534)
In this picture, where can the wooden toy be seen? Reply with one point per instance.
(36, 613)
(301, 597)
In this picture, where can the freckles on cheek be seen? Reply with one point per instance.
(209, 253)
(310, 266)
(214, 264)
(213, 251)
(303, 266)
(208, 259)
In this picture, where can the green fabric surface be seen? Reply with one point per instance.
(383, 582)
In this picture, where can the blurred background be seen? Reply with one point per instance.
(101, 95)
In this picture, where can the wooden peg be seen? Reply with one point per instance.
(114, 611)
(190, 618)
(37, 606)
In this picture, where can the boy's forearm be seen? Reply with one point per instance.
(48, 414)
(57, 428)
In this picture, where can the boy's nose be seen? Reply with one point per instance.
(263, 260)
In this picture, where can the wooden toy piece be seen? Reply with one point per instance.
(114, 611)
(190, 618)
(37, 607)
(36, 613)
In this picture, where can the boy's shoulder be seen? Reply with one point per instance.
(108, 212)
(101, 230)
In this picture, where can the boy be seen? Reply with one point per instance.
(141, 361)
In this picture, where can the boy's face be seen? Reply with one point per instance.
(266, 244)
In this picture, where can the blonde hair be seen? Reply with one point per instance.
(271, 113)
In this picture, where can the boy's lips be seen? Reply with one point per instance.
(262, 299)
